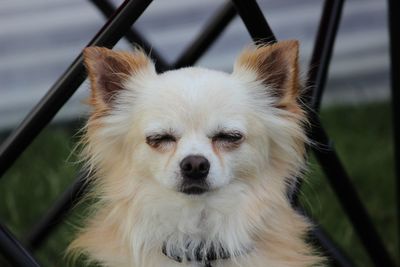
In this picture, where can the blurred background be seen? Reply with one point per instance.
(39, 40)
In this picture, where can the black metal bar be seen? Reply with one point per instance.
(207, 37)
(347, 195)
(322, 52)
(13, 251)
(46, 225)
(63, 89)
(136, 37)
(253, 24)
(394, 37)
(327, 157)
(337, 257)
(319, 66)
(254, 21)
(63, 205)
(321, 239)
(133, 36)
(333, 168)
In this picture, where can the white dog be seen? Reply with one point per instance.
(191, 166)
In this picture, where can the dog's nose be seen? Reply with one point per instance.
(195, 167)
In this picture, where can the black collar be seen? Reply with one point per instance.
(202, 257)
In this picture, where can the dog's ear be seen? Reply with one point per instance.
(108, 70)
(276, 67)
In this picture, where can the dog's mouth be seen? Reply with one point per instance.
(194, 188)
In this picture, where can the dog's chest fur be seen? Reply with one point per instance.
(183, 226)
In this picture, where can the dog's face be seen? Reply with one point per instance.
(193, 130)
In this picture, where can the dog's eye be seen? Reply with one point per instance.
(228, 137)
(159, 139)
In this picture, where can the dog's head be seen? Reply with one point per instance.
(194, 130)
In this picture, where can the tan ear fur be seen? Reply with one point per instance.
(276, 66)
(108, 69)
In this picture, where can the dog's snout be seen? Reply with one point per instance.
(194, 170)
(195, 167)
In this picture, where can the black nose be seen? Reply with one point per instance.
(195, 167)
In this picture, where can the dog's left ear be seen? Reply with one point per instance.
(108, 71)
(276, 67)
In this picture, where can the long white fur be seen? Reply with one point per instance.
(139, 207)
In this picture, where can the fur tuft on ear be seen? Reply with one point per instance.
(108, 70)
(276, 67)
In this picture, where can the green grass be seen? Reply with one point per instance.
(363, 139)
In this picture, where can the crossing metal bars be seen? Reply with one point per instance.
(119, 25)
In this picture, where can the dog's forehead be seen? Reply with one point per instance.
(197, 80)
(197, 87)
(196, 95)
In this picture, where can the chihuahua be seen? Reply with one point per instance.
(191, 166)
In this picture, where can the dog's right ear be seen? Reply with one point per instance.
(276, 67)
(108, 70)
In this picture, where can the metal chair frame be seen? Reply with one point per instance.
(119, 25)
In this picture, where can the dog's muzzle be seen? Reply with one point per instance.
(194, 171)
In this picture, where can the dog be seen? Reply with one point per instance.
(191, 166)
